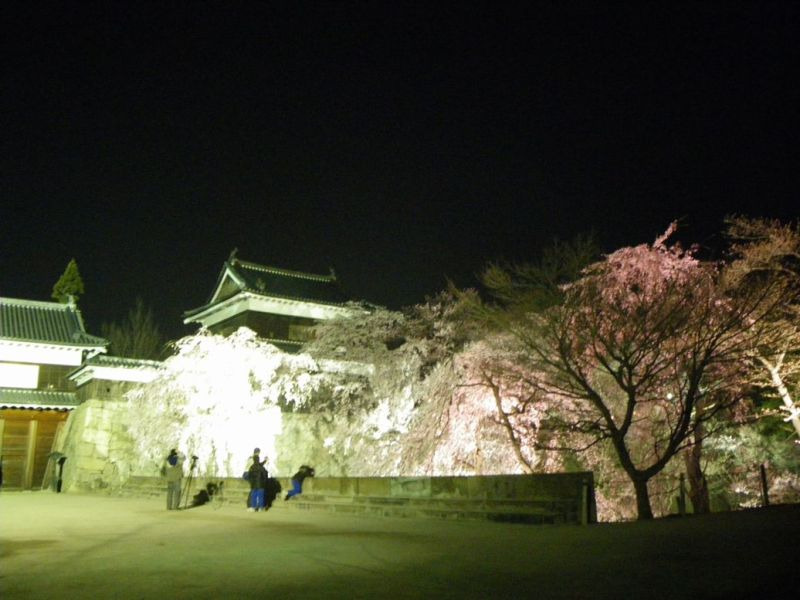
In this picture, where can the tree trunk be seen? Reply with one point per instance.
(506, 423)
(783, 391)
(698, 486)
(643, 509)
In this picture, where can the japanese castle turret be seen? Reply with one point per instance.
(280, 305)
(40, 344)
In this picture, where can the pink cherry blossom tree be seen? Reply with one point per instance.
(640, 350)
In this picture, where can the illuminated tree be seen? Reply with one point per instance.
(495, 371)
(764, 250)
(217, 397)
(640, 350)
(400, 352)
(69, 285)
(433, 330)
(424, 408)
(137, 336)
(363, 335)
(441, 326)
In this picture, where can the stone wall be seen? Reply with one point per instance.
(569, 497)
(302, 442)
(101, 454)
(97, 446)
(511, 487)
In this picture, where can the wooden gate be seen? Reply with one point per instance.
(26, 441)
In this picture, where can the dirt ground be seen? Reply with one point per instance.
(74, 546)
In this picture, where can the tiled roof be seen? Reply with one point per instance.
(105, 360)
(277, 283)
(283, 283)
(44, 322)
(115, 368)
(42, 399)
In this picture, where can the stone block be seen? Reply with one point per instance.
(93, 464)
(83, 449)
(409, 487)
(99, 437)
(450, 487)
(328, 485)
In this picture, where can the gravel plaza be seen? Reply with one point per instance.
(81, 546)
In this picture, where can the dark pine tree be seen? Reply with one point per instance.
(69, 284)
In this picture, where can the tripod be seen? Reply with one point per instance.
(192, 465)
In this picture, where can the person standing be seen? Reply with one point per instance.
(257, 476)
(297, 480)
(256, 455)
(172, 470)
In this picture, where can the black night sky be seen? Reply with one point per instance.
(400, 145)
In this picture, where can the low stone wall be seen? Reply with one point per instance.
(545, 498)
(509, 487)
(556, 497)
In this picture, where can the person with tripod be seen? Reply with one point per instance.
(172, 471)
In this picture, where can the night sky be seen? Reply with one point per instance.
(401, 145)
